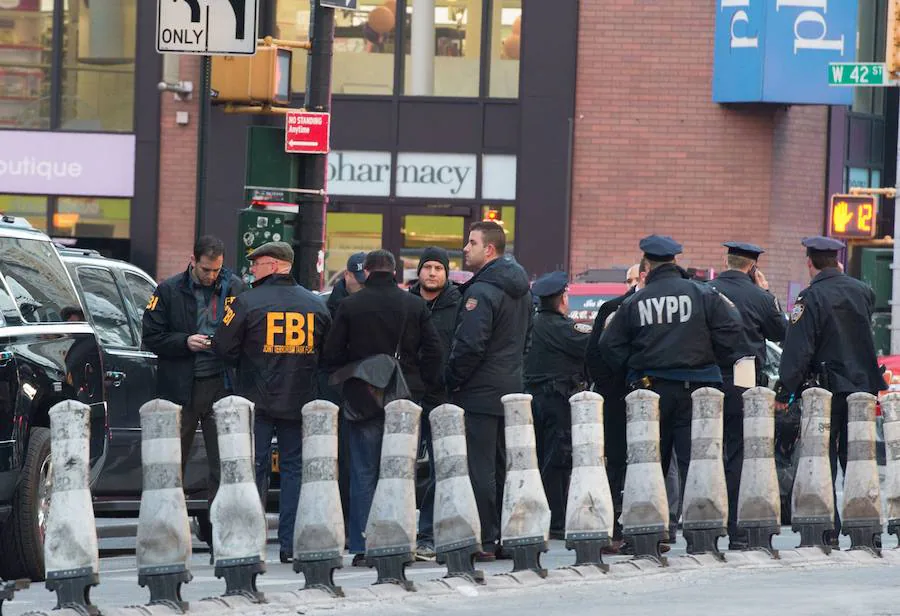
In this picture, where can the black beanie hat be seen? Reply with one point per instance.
(434, 253)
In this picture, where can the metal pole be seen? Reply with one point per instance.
(422, 42)
(895, 266)
(309, 227)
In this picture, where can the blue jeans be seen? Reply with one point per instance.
(426, 507)
(364, 438)
(290, 462)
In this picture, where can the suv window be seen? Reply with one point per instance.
(37, 280)
(105, 305)
(141, 290)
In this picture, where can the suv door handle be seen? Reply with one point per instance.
(114, 378)
(5, 358)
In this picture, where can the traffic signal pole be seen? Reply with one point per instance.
(309, 226)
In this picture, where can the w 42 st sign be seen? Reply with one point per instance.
(872, 74)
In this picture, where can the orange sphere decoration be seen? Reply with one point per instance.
(391, 4)
(511, 47)
(381, 19)
(517, 26)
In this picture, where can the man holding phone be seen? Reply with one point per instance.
(746, 286)
(178, 326)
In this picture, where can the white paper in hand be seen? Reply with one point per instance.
(745, 372)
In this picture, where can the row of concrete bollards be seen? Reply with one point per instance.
(238, 519)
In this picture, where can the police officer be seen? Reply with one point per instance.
(554, 371)
(274, 334)
(746, 286)
(829, 341)
(672, 336)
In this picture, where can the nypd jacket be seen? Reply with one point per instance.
(493, 335)
(760, 312)
(830, 335)
(370, 322)
(674, 328)
(273, 335)
(170, 318)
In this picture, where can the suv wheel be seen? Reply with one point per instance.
(22, 537)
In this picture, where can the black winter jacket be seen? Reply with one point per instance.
(273, 335)
(443, 315)
(369, 322)
(493, 334)
(170, 318)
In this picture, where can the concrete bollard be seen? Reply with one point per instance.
(391, 528)
(705, 499)
(9, 589)
(890, 410)
(525, 516)
(861, 513)
(759, 501)
(319, 529)
(164, 533)
(457, 527)
(812, 503)
(238, 519)
(645, 506)
(589, 511)
(71, 557)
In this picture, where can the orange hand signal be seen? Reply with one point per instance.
(841, 217)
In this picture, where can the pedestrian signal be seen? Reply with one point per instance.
(853, 216)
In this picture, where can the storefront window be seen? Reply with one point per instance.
(98, 65)
(452, 67)
(506, 33)
(92, 218)
(504, 215)
(33, 209)
(347, 233)
(292, 24)
(25, 56)
(419, 232)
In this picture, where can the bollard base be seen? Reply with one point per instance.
(8, 590)
(391, 569)
(893, 527)
(73, 589)
(240, 577)
(814, 534)
(646, 545)
(320, 574)
(165, 585)
(866, 537)
(760, 538)
(526, 553)
(589, 551)
(705, 541)
(461, 563)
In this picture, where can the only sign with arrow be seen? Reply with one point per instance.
(307, 132)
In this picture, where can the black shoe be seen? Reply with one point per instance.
(359, 560)
(286, 557)
(212, 557)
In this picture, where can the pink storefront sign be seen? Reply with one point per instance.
(58, 163)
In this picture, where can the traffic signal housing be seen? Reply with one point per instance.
(853, 216)
(262, 79)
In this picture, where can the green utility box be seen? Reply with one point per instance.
(875, 271)
(259, 225)
(881, 331)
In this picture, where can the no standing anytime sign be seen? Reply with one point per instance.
(307, 132)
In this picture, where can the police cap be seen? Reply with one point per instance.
(819, 245)
(660, 247)
(550, 284)
(281, 251)
(743, 249)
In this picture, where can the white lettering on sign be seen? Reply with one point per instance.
(740, 16)
(665, 310)
(818, 23)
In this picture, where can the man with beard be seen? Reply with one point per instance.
(492, 336)
(442, 297)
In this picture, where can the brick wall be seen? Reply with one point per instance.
(654, 154)
(178, 176)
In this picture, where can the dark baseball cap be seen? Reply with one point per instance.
(355, 265)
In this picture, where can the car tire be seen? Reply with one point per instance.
(22, 537)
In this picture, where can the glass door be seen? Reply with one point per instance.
(420, 228)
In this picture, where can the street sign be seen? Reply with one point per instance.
(207, 27)
(306, 132)
(853, 216)
(870, 74)
(349, 5)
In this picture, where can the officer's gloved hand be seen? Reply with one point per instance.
(782, 397)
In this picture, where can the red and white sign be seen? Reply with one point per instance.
(307, 132)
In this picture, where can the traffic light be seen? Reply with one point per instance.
(263, 78)
(892, 46)
(493, 215)
(853, 216)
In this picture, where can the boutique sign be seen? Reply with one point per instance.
(72, 164)
(778, 51)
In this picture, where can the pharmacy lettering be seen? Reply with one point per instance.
(448, 176)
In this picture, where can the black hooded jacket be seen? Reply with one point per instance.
(443, 314)
(493, 334)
